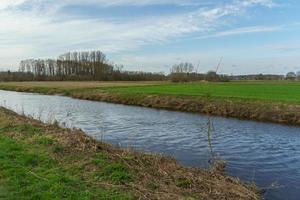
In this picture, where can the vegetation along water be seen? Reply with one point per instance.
(40, 161)
(272, 101)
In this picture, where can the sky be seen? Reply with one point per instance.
(252, 36)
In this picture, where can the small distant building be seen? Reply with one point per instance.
(291, 76)
(249, 77)
(298, 75)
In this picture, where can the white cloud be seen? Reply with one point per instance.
(106, 3)
(253, 29)
(244, 30)
(4, 4)
(32, 33)
(268, 3)
(137, 2)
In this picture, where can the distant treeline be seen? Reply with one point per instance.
(185, 72)
(94, 66)
(15, 76)
(76, 66)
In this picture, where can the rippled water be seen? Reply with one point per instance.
(268, 154)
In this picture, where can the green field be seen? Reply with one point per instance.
(255, 90)
(275, 91)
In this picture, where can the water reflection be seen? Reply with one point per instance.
(208, 128)
(260, 152)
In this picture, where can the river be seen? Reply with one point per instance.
(265, 153)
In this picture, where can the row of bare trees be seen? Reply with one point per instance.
(93, 65)
(76, 65)
(87, 65)
(185, 72)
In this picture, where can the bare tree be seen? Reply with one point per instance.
(86, 65)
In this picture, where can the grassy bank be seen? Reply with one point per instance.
(271, 101)
(39, 161)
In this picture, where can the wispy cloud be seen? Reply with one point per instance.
(253, 29)
(269, 3)
(4, 4)
(103, 3)
(30, 32)
(243, 30)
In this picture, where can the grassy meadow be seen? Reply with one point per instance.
(276, 91)
(280, 91)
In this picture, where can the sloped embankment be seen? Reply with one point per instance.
(257, 110)
(40, 161)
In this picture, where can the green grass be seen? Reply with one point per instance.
(276, 91)
(280, 91)
(23, 129)
(116, 172)
(29, 170)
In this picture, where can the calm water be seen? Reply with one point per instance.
(268, 154)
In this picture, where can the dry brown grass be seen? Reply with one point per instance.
(249, 110)
(80, 85)
(155, 176)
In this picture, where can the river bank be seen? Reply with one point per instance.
(283, 112)
(248, 110)
(45, 161)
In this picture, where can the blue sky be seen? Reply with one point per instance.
(252, 36)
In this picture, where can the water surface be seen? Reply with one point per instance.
(268, 154)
